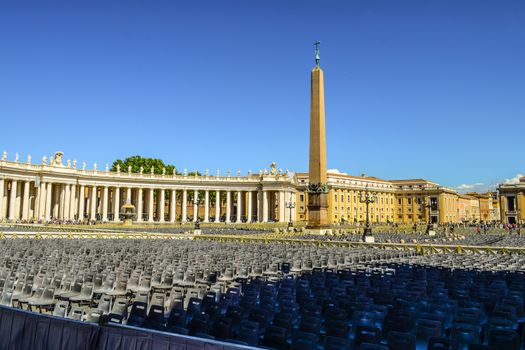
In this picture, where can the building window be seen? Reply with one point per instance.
(409, 201)
(342, 198)
(301, 198)
(399, 201)
(433, 203)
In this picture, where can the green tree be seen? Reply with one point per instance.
(147, 163)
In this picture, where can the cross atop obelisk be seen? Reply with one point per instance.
(317, 179)
(317, 43)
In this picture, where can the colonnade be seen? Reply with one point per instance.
(50, 200)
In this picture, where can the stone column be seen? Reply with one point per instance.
(73, 202)
(282, 210)
(116, 204)
(173, 205)
(195, 205)
(139, 205)
(265, 206)
(150, 204)
(206, 206)
(12, 200)
(228, 206)
(287, 197)
(184, 204)
(25, 201)
(2, 207)
(128, 195)
(161, 205)
(61, 200)
(249, 211)
(294, 210)
(105, 199)
(81, 202)
(49, 192)
(259, 206)
(239, 207)
(217, 206)
(67, 200)
(38, 201)
(93, 211)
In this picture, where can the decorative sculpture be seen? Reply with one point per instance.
(58, 158)
(206, 172)
(273, 168)
(28, 159)
(107, 167)
(141, 170)
(163, 171)
(185, 172)
(118, 168)
(4, 155)
(94, 167)
(129, 169)
(239, 172)
(69, 163)
(83, 165)
(318, 188)
(44, 160)
(16, 157)
(75, 163)
(152, 170)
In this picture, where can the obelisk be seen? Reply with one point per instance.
(317, 186)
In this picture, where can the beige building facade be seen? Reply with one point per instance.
(397, 201)
(54, 191)
(512, 202)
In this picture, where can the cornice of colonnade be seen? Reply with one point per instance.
(10, 170)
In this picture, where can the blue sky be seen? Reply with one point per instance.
(414, 89)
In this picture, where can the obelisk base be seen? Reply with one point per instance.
(318, 214)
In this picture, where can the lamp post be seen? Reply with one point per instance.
(428, 206)
(290, 205)
(196, 202)
(367, 199)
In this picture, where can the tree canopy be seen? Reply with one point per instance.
(147, 163)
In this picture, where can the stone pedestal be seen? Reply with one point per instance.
(317, 211)
(318, 231)
(369, 239)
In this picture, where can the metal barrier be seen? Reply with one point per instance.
(418, 248)
(25, 330)
(93, 235)
(423, 249)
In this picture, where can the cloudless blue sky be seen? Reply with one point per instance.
(413, 89)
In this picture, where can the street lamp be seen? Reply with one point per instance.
(428, 206)
(196, 202)
(367, 199)
(290, 205)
